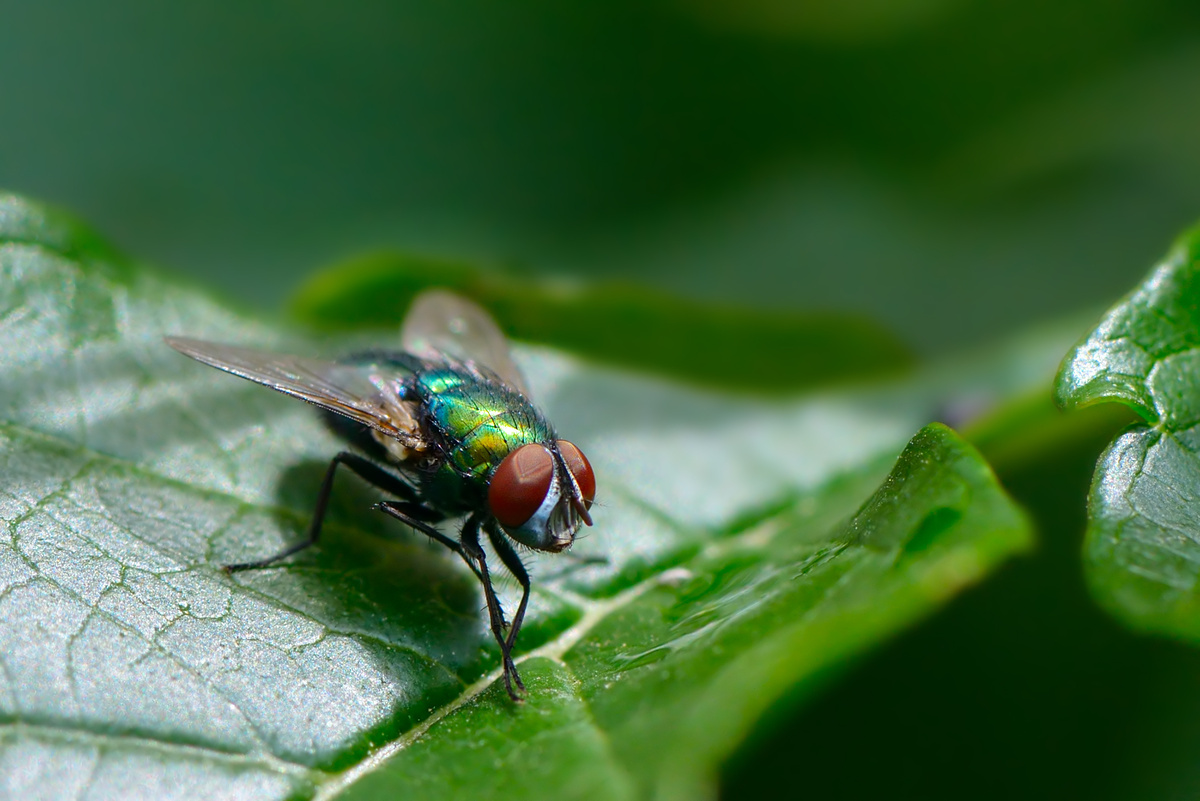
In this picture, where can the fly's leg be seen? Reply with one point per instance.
(471, 553)
(419, 517)
(470, 541)
(470, 544)
(512, 561)
(367, 470)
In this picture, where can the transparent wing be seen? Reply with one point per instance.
(442, 323)
(364, 393)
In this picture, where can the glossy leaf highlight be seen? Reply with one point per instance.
(1143, 541)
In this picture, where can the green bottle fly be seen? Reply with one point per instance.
(445, 426)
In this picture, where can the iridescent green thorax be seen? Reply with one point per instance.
(480, 422)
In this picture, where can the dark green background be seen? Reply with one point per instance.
(952, 168)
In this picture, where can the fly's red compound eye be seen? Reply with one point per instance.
(579, 466)
(520, 484)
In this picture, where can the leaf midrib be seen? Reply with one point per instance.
(595, 612)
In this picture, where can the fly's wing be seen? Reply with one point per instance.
(364, 393)
(440, 323)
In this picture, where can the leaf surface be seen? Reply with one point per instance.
(736, 570)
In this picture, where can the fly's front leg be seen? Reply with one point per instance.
(512, 561)
(367, 470)
(470, 544)
(470, 540)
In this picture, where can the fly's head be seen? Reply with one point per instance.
(541, 494)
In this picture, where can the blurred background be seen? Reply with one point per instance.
(952, 168)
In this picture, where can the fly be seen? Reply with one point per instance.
(445, 426)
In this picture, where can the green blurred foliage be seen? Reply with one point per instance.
(773, 351)
(950, 168)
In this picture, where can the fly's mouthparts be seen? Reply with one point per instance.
(581, 510)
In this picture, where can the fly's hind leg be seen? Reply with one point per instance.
(367, 470)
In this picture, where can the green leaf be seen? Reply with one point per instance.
(1143, 539)
(632, 326)
(736, 570)
(657, 684)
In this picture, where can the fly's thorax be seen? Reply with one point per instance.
(440, 380)
(476, 422)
